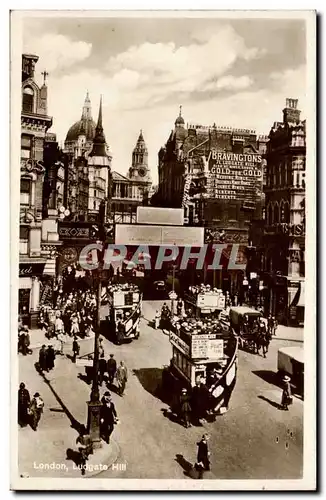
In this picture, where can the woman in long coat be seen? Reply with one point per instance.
(185, 408)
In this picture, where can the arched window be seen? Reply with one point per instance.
(282, 211)
(270, 214)
(28, 99)
(276, 213)
(287, 212)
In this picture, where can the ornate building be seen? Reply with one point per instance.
(131, 190)
(38, 228)
(216, 174)
(284, 239)
(88, 166)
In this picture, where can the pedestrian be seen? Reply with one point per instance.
(50, 358)
(42, 358)
(185, 408)
(36, 410)
(157, 319)
(26, 342)
(62, 340)
(286, 394)
(274, 325)
(111, 368)
(85, 448)
(59, 326)
(108, 416)
(203, 462)
(102, 366)
(75, 349)
(120, 332)
(23, 405)
(100, 347)
(122, 377)
(74, 325)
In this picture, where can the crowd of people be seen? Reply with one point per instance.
(74, 314)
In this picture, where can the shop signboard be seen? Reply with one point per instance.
(206, 346)
(29, 270)
(234, 176)
(179, 344)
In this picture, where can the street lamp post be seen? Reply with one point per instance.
(94, 405)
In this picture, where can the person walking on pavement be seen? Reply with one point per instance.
(75, 349)
(36, 410)
(50, 358)
(157, 319)
(185, 408)
(100, 347)
(286, 394)
(203, 462)
(23, 405)
(42, 358)
(26, 341)
(120, 332)
(108, 416)
(102, 367)
(122, 377)
(111, 368)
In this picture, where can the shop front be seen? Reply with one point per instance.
(30, 278)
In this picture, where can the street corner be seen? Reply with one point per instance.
(103, 459)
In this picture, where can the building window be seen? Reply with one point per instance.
(26, 147)
(28, 100)
(25, 192)
(276, 214)
(95, 193)
(270, 214)
(94, 205)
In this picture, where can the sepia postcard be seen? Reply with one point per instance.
(163, 249)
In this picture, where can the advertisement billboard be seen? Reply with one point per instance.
(234, 176)
(163, 216)
(132, 234)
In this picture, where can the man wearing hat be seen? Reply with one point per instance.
(286, 394)
(185, 408)
(42, 358)
(111, 368)
(36, 410)
(108, 416)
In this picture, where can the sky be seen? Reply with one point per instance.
(232, 72)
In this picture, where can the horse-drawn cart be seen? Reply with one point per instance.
(251, 328)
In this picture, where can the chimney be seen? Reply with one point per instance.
(291, 113)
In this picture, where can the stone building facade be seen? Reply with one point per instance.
(284, 234)
(38, 239)
(131, 190)
(216, 174)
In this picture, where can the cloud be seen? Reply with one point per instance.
(163, 69)
(229, 83)
(57, 51)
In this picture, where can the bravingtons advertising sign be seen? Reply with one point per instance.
(234, 176)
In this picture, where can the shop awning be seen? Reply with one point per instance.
(301, 301)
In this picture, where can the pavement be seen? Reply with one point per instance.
(254, 439)
(38, 338)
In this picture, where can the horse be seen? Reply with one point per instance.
(262, 340)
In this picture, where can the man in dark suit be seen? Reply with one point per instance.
(111, 368)
(108, 416)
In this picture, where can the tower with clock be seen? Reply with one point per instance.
(139, 170)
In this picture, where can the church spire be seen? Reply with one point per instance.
(87, 108)
(99, 139)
